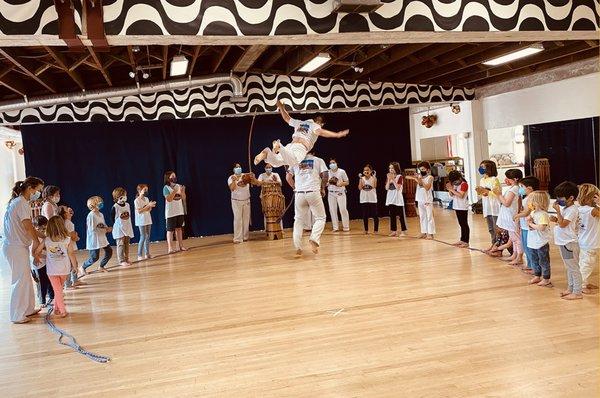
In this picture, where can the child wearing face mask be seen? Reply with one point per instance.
(394, 199)
(458, 188)
(174, 195)
(526, 186)
(589, 233)
(538, 237)
(240, 204)
(67, 215)
(565, 236)
(51, 196)
(44, 287)
(488, 185)
(509, 207)
(122, 231)
(337, 181)
(367, 185)
(96, 235)
(424, 196)
(143, 220)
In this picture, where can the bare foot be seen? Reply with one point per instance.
(366, 232)
(565, 293)
(183, 249)
(464, 245)
(535, 280)
(515, 263)
(260, 157)
(402, 234)
(422, 236)
(429, 236)
(590, 286)
(511, 258)
(276, 146)
(298, 253)
(102, 269)
(573, 296)
(528, 271)
(585, 290)
(314, 246)
(545, 283)
(393, 234)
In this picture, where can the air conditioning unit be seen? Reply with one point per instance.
(356, 6)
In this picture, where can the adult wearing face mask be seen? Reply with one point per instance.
(268, 177)
(239, 185)
(51, 196)
(336, 195)
(19, 235)
(424, 196)
(174, 194)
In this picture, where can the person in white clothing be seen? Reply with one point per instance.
(143, 220)
(174, 194)
(527, 185)
(239, 185)
(367, 186)
(268, 177)
(509, 207)
(67, 215)
(589, 233)
(424, 197)
(18, 235)
(538, 237)
(565, 236)
(337, 181)
(394, 199)
(306, 133)
(489, 184)
(44, 287)
(96, 235)
(122, 230)
(308, 179)
(51, 196)
(458, 189)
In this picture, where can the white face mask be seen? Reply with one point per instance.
(122, 200)
(56, 199)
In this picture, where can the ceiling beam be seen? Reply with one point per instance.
(363, 57)
(60, 59)
(93, 17)
(340, 54)
(27, 66)
(276, 54)
(12, 83)
(219, 59)
(67, 30)
(249, 57)
(102, 68)
(79, 61)
(165, 61)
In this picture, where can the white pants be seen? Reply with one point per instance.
(241, 219)
(308, 221)
(426, 218)
(308, 202)
(22, 295)
(338, 200)
(588, 260)
(291, 155)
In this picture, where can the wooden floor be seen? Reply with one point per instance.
(370, 316)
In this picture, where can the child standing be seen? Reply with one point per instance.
(509, 208)
(122, 231)
(424, 196)
(96, 234)
(143, 220)
(458, 189)
(589, 233)
(67, 215)
(565, 236)
(59, 257)
(526, 186)
(538, 238)
(367, 185)
(487, 185)
(394, 199)
(44, 288)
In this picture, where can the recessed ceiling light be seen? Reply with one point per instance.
(179, 65)
(315, 63)
(525, 52)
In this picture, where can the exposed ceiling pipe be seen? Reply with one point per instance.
(147, 88)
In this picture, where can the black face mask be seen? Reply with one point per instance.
(173, 180)
(423, 173)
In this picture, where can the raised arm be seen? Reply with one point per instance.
(332, 134)
(284, 114)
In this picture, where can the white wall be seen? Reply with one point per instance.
(568, 99)
(12, 169)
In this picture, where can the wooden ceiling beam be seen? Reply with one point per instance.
(396, 55)
(10, 82)
(249, 57)
(276, 54)
(79, 61)
(102, 68)
(27, 66)
(60, 59)
(219, 59)
(67, 29)
(343, 52)
(365, 58)
(198, 51)
(165, 61)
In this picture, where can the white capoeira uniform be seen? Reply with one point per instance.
(307, 182)
(337, 200)
(294, 152)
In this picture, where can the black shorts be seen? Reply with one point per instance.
(174, 222)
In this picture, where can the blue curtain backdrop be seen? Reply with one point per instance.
(86, 159)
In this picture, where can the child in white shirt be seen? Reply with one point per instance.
(538, 238)
(589, 233)
(67, 215)
(143, 220)
(96, 235)
(122, 230)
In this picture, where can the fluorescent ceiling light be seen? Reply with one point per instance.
(525, 52)
(315, 63)
(179, 65)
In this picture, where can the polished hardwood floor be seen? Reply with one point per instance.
(369, 316)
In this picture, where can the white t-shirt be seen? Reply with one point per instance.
(461, 203)
(241, 191)
(368, 194)
(49, 209)
(17, 211)
(589, 229)
(71, 228)
(506, 215)
(122, 226)
(421, 194)
(341, 175)
(536, 239)
(264, 177)
(490, 203)
(57, 257)
(523, 220)
(174, 207)
(562, 236)
(95, 237)
(394, 195)
(142, 218)
(307, 174)
(305, 129)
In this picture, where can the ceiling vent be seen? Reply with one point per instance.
(356, 6)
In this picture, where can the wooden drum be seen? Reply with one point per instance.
(273, 205)
(410, 187)
(541, 169)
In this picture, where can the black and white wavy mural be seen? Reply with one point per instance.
(33, 17)
(297, 17)
(301, 93)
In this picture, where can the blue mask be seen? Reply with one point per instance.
(481, 170)
(561, 202)
(100, 206)
(237, 171)
(35, 196)
(522, 191)
(333, 166)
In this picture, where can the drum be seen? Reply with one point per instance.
(273, 205)
(410, 187)
(541, 170)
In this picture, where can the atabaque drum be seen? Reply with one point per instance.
(273, 205)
